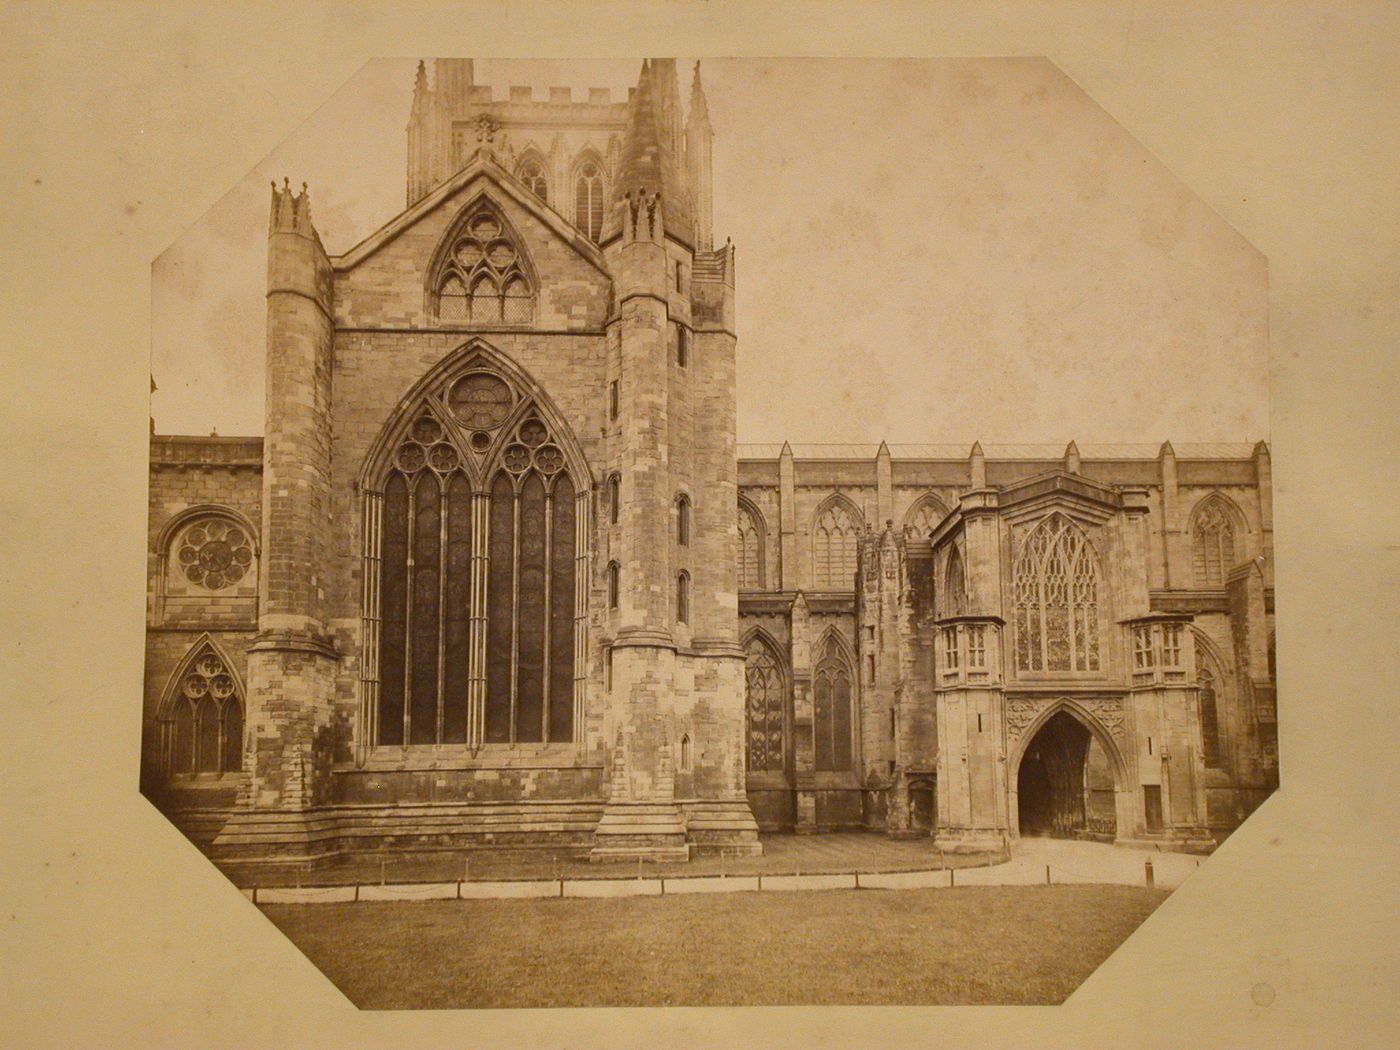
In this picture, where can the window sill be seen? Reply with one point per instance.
(428, 757)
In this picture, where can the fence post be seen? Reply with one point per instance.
(1047, 874)
(1147, 865)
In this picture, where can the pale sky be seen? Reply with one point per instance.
(927, 250)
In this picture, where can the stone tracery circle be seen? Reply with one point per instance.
(214, 554)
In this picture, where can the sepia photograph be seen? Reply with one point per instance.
(567, 526)
(649, 524)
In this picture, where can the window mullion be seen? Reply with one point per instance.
(515, 609)
(410, 531)
(548, 602)
(442, 609)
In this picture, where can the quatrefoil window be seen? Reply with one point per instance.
(483, 281)
(214, 553)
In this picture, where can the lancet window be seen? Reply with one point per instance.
(474, 570)
(484, 280)
(1056, 589)
(831, 694)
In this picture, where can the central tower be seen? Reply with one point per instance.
(674, 678)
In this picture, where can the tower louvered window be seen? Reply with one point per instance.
(473, 569)
(831, 693)
(1056, 586)
(532, 175)
(1213, 540)
(766, 708)
(588, 200)
(834, 541)
(484, 281)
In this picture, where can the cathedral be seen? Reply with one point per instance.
(497, 572)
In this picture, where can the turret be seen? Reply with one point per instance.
(977, 465)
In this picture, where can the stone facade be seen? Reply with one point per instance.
(480, 581)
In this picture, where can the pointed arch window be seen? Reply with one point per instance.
(831, 693)
(1213, 534)
(614, 584)
(750, 549)
(834, 539)
(766, 705)
(683, 520)
(201, 724)
(955, 586)
(683, 597)
(1210, 717)
(588, 200)
(532, 174)
(614, 498)
(473, 570)
(483, 280)
(1056, 599)
(925, 516)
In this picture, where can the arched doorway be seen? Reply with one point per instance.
(1065, 782)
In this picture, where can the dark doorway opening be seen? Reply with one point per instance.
(1059, 789)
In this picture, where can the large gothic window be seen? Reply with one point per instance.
(588, 200)
(1057, 617)
(831, 693)
(473, 570)
(483, 279)
(767, 705)
(201, 723)
(1213, 541)
(750, 549)
(835, 536)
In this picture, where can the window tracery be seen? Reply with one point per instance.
(588, 200)
(834, 541)
(1213, 529)
(831, 693)
(1056, 585)
(472, 569)
(925, 516)
(750, 549)
(213, 552)
(532, 174)
(766, 707)
(483, 280)
(201, 727)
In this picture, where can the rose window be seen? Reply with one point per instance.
(480, 400)
(215, 554)
(483, 281)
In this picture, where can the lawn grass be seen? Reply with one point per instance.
(1005, 944)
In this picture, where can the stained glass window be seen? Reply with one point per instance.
(477, 579)
(1056, 599)
(766, 708)
(201, 726)
(831, 693)
(1213, 541)
(834, 540)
